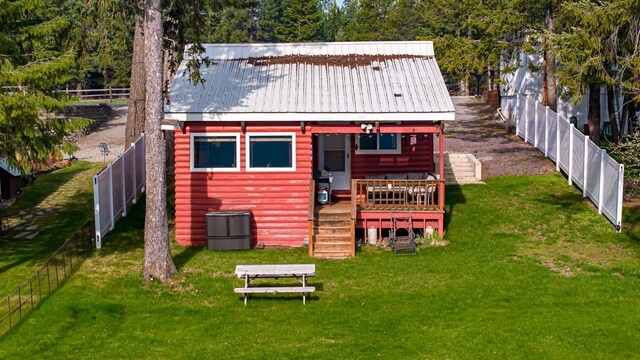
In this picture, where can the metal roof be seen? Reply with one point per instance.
(314, 81)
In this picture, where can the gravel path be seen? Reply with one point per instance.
(111, 132)
(477, 130)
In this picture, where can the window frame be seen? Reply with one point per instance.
(378, 151)
(192, 137)
(247, 142)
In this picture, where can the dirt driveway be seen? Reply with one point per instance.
(477, 130)
(111, 132)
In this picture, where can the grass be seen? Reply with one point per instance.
(531, 271)
(73, 185)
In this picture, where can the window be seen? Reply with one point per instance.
(271, 152)
(378, 144)
(219, 152)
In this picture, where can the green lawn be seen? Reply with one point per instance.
(65, 199)
(531, 271)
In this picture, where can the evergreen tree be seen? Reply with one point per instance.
(301, 21)
(369, 20)
(234, 24)
(269, 15)
(597, 45)
(333, 24)
(37, 57)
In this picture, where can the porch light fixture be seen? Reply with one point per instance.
(366, 128)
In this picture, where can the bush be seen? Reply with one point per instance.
(628, 153)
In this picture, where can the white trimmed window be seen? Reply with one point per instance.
(271, 151)
(378, 144)
(215, 152)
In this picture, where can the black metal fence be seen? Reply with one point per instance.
(46, 279)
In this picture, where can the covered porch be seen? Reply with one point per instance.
(368, 188)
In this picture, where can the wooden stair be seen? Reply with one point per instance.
(332, 232)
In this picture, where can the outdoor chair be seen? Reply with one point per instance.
(401, 236)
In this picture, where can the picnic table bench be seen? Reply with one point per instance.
(298, 271)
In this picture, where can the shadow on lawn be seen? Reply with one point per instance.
(53, 230)
(453, 196)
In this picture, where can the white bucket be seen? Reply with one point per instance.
(372, 235)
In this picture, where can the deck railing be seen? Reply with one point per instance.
(398, 195)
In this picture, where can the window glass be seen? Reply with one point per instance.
(214, 152)
(378, 144)
(388, 142)
(270, 151)
(368, 142)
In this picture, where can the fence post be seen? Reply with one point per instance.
(517, 114)
(557, 143)
(111, 196)
(570, 154)
(110, 95)
(585, 168)
(124, 187)
(526, 119)
(535, 124)
(620, 194)
(546, 131)
(96, 210)
(135, 173)
(39, 287)
(144, 167)
(601, 189)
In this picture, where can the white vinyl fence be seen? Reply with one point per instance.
(116, 187)
(596, 173)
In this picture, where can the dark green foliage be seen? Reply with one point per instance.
(38, 54)
(269, 17)
(369, 20)
(234, 24)
(301, 21)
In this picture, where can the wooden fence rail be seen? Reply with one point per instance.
(108, 94)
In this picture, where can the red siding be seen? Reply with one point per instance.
(420, 160)
(277, 200)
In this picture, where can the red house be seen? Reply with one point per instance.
(273, 122)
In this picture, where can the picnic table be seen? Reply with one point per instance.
(252, 272)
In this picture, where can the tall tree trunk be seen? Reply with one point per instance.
(594, 113)
(550, 59)
(158, 263)
(135, 115)
(615, 133)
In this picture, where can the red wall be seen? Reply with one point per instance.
(278, 200)
(420, 160)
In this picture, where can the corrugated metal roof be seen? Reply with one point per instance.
(315, 81)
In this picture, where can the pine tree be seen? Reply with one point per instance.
(369, 20)
(37, 59)
(158, 263)
(234, 24)
(269, 16)
(301, 21)
(333, 24)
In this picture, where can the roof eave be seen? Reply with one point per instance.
(334, 117)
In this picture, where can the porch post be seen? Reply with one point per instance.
(441, 183)
(441, 170)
